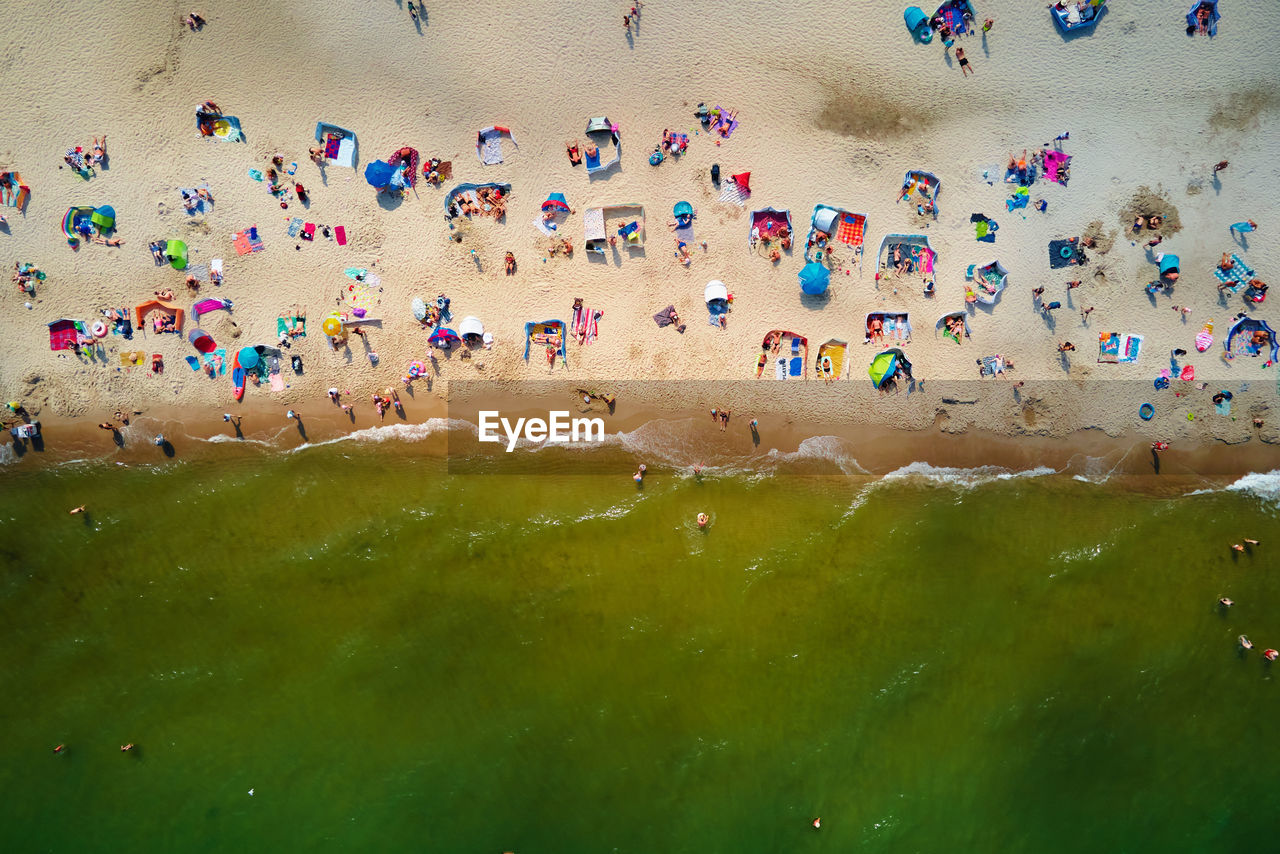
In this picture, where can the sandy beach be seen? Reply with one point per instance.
(831, 110)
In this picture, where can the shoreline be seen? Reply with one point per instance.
(667, 437)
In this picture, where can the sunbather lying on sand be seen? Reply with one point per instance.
(165, 294)
(107, 241)
(157, 251)
(575, 156)
(593, 151)
(99, 150)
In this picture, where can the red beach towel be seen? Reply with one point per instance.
(340, 232)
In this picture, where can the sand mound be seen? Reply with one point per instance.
(1146, 202)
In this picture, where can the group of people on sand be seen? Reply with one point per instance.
(632, 16)
(721, 417)
(492, 202)
(85, 164)
(387, 400)
(25, 276)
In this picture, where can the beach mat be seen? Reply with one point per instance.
(285, 324)
(294, 225)
(340, 233)
(1064, 253)
(733, 192)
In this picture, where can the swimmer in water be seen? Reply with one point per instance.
(125, 747)
(1271, 655)
(1245, 643)
(702, 520)
(1225, 602)
(76, 510)
(639, 475)
(817, 823)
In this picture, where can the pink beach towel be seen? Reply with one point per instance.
(1053, 161)
(927, 260)
(340, 232)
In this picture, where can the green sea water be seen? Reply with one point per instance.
(396, 658)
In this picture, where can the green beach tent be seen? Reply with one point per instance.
(104, 218)
(176, 251)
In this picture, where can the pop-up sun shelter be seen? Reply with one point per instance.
(885, 365)
(556, 202)
(717, 297)
(789, 352)
(152, 305)
(1077, 17)
(77, 222)
(471, 330)
(340, 145)
(201, 340)
(1211, 17)
(988, 281)
(918, 23)
(103, 218)
(176, 252)
(602, 133)
(1251, 337)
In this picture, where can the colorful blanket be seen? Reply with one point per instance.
(1114, 347)
(1057, 167)
(1237, 275)
(247, 241)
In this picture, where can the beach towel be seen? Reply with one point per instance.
(362, 294)
(218, 359)
(797, 365)
(285, 324)
(340, 233)
(64, 333)
(215, 268)
(1055, 166)
(1064, 253)
(193, 363)
(1019, 200)
(685, 235)
(666, 317)
(954, 18)
(247, 241)
(1115, 347)
(734, 193)
(309, 231)
(201, 205)
(489, 145)
(1236, 276)
(277, 381)
(200, 271)
(850, 229)
(13, 193)
(1223, 408)
(295, 225)
(780, 368)
(992, 365)
(719, 124)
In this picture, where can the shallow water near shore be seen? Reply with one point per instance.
(393, 657)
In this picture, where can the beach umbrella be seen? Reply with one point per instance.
(743, 180)
(104, 217)
(814, 278)
(682, 209)
(248, 358)
(332, 325)
(882, 367)
(176, 251)
(556, 202)
(379, 173)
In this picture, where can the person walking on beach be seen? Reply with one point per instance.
(986, 26)
(1084, 313)
(1050, 307)
(1036, 293)
(1066, 347)
(1073, 285)
(1243, 227)
(1221, 164)
(965, 70)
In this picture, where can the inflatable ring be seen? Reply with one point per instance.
(99, 329)
(1066, 251)
(1146, 412)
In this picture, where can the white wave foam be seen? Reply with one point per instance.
(831, 449)
(7, 455)
(1265, 485)
(963, 478)
(394, 433)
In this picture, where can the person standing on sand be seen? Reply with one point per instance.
(1066, 347)
(1221, 164)
(1084, 314)
(986, 26)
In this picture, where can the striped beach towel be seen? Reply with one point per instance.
(733, 192)
(1237, 275)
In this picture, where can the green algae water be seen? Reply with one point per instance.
(396, 658)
